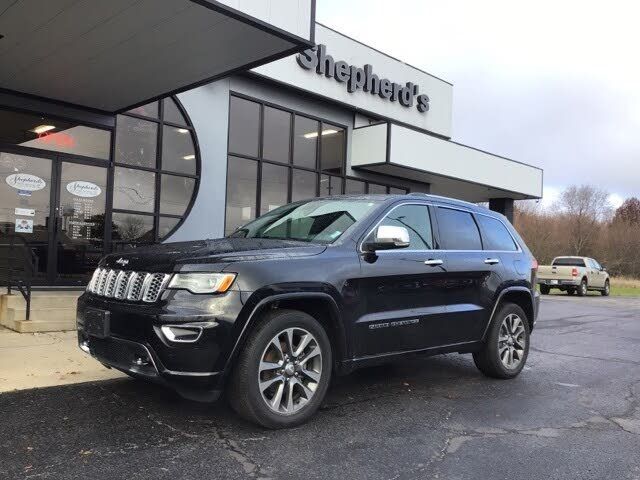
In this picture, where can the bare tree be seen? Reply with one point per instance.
(583, 208)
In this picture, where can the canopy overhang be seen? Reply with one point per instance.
(117, 54)
(450, 168)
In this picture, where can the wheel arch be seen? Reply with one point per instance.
(522, 297)
(319, 305)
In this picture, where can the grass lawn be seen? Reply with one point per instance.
(620, 287)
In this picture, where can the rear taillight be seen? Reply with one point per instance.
(574, 272)
(534, 271)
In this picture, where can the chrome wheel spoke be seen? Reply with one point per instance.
(289, 334)
(308, 393)
(268, 383)
(314, 352)
(315, 376)
(268, 366)
(304, 342)
(289, 404)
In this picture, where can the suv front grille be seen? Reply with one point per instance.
(128, 285)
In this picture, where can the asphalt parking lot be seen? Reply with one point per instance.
(573, 413)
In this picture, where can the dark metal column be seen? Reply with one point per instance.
(503, 206)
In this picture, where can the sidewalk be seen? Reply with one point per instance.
(32, 360)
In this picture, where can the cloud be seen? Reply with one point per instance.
(553, 84)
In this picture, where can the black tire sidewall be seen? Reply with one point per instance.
(607, 288)
(544, 289)
(275, 323)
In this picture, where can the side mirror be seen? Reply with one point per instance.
(603, 268)
(388, 237)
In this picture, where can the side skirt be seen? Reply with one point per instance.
(348, 366)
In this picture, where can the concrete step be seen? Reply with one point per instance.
(32, 326)
(42, 300)
(41, 314)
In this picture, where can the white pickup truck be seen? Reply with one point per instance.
(574, 275)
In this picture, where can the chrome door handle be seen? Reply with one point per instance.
(433, 262)
(492, 261)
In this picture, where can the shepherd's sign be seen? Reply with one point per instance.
(362, 78)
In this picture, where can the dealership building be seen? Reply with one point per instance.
(127, 123)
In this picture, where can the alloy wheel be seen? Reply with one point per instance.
(290, 370)
(512, 341)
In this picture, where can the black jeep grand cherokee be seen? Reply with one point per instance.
(310, 289)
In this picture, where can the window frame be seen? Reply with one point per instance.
(288, 163)
(158, 170)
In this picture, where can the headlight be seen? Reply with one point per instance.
(202, 282)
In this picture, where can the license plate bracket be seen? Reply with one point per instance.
(97, 322)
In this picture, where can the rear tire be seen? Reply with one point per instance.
(544, 289)
(607, 289)
(571, 291)
(506, 346)
(280, 381)
(583, 288)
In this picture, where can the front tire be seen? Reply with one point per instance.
(544, 289)
(506, 346)
(571, 291)
(283, 372)
(607, 289)
(582, 289)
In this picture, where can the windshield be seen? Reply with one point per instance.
(318, 221)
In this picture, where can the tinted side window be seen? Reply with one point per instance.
(495, 235)
(415, 218)
(458, 230)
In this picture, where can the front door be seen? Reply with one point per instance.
(402, 292)
(58, 208)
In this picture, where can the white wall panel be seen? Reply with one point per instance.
(416, 150)
(369, 145)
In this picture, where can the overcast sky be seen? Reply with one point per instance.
(552, 83)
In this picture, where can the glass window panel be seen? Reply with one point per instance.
(37, 131)
(244, 127)
(25, 192)
(178, 152)
(495, 235)
(305, 139)
(354, 187)
(133, 228)
(166, 225)
(376, 189)
(330, 185)
(303, 185)
(242, 181)
(276, 134)
(415, 218)
(175, 194)
(333, 149)
(458, 230)
(148, 110)
(274, 187)
(134, 190)
(397, 191)
(172, 113)
(136, 141)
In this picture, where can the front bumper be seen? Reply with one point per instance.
(134, 341)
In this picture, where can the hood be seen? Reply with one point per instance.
(165, 257)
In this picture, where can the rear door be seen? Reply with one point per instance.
(596, 275)
(472, 276)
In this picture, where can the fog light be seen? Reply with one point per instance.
(181, 334)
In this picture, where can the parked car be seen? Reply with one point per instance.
(312, 289)
(574, 275)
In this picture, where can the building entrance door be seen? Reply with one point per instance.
(58, 207)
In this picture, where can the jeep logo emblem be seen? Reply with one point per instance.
(122, 261)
